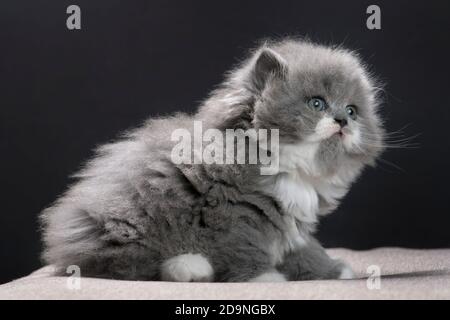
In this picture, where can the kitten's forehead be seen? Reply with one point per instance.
(333, 73)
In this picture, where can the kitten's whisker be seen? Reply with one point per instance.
(400, 137)
(399, 132)
(395, 142)
(391, 143)
(391, 164)
(387, 146)
(401, 129)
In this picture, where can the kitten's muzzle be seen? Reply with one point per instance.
(341, 121)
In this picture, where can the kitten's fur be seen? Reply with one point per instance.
(134, 214)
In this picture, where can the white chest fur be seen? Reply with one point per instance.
(303, 193)
(298, 197)
(297, 193)
(300, 187)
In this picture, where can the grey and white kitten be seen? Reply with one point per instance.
(134, 214)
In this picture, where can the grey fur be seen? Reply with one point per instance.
(132, 208)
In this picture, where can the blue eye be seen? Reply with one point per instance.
(317, 103)
(351, 111)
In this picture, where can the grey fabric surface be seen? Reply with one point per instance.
(406, 274)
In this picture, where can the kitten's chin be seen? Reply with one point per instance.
(315, 158)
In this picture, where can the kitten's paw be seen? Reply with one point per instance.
(187, 268)
(269, 276)
(346, 272)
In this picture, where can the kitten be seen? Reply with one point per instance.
(134, 214)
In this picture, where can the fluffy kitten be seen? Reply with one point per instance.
(134, 214)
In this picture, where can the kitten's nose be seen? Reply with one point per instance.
(342, 122)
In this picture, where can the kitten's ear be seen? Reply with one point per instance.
(268, 64)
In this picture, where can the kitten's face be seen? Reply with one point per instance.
(325, 103)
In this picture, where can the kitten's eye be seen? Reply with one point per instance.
(351, 111)
(317, 103)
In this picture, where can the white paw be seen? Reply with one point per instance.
(187, 268)
(346, 273)
(270, 276)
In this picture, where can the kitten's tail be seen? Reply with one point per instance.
(70, 236)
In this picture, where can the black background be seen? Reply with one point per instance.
(64, 92)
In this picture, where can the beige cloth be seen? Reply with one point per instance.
(406, 274)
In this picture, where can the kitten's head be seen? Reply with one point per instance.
(321, 99)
